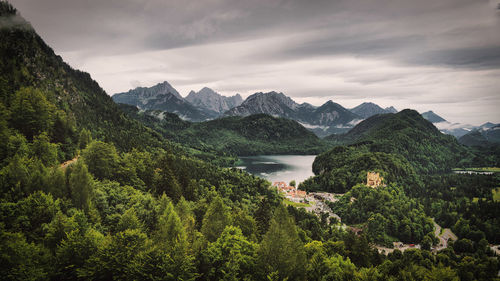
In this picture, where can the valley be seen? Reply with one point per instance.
(150, 185)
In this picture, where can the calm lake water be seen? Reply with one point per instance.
(279, 167)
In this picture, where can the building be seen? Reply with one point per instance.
(373, 179)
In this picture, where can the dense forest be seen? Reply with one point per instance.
(253, 135)
(88, 193)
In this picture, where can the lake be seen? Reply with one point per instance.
(279, 167)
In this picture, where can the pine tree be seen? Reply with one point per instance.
(216, 219)
(281, 250)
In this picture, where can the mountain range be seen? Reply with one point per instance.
(329, 118)
(207, 104)
(165, 98)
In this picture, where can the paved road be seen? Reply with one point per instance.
(446, 235)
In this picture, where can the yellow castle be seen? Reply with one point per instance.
(373, 179)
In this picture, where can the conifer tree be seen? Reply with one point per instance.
(281, 250)
(80, 184)
(216, 219)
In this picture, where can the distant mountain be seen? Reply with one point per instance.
(454, 129)
(487, 135)
(330, 114)
(391, 109)
(209, 100)
(272, 103)
(368, 109)
(324, 120)
(433, 117)
(162, 97)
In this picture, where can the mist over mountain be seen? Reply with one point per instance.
(486, 135)
(324, 120)
(455, 129)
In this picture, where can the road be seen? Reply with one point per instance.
(443, 237)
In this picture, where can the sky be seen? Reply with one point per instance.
(427, 55)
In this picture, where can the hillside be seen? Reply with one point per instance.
(27, 61)
(251, 135)
(408, 134)
(129, 205)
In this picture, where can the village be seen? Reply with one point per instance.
(316, 202)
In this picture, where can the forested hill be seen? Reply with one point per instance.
(408, 134)
(251, 135)
(27, 61)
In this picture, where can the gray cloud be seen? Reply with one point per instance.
(405, 53)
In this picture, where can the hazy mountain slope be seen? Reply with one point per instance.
(432, 117)
(482, 137)
(27, 61)
(368, 109)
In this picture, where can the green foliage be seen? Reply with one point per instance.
(84, 139)
(252, 135)
(101, 158)
(32, 113)
(321, 266)
(44, 150)
(215, 220)
(80, 185)
(73, 252)
(231, 257)
(386, 211)
(449, 199)
(21, 260)
(120, 257)
(281, 250)
(409, 135)
(343, 167)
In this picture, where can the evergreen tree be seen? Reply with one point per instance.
(166, 182)
(84, 139)
(281, 250)
(32, 113)
(170, 229)
(216, 219)
(80, 185)
(231, 257)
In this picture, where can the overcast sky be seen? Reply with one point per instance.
(440, 55)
